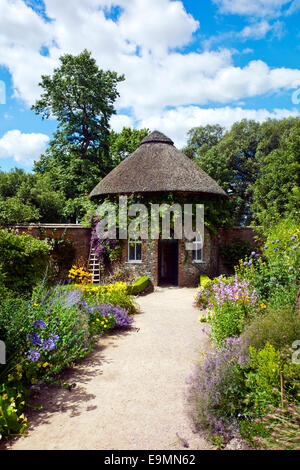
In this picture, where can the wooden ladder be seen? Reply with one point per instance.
(94, 266)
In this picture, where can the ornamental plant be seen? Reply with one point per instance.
(80, 275)
(106, 250)
(274, 272)
(24, 260)
(283, 428)
(233, 302)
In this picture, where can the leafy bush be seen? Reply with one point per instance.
(106, 317)
(12, 404)
(283, 429)
(114, 294)
(216, 389)
(231, 252)
(275, 273)
(24, 259)
(139, 286)
(278, 327)
(234, 302)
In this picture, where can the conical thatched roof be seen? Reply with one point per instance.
(154, 167)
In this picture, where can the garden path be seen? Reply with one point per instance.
(130, 391)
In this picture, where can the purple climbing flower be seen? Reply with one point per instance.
(33, 354)
(35, 338)
(39, 324)
(48, 345)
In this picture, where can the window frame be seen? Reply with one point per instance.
(196, 242)
(136, 243)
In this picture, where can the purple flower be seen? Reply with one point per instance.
(250, 262)
(54, 337)
(291, 268)
(294, 248)
(253, 253)
(266, 247)
(294, 237)
(35, 338)
(277, 241)
(48, 345)
(39, 324)
(276, 249)
(33, 354)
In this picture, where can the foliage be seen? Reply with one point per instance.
(124, 143)
(234, 302)
(79, 275)
(24, 259)
(12, 419)
(81, 97)
(139, 286)
(275, 273)
(114, 294)
(283, 426)
(216, 389)
(105, 317)
(13, 211)
(238, 160)
(25, 197)
(275, 326)
(276, 191)
(231, 252)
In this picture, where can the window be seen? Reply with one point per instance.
(135, 251)
(197, 249)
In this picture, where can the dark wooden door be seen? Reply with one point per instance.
(168, 262)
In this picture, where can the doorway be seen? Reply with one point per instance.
(168, 262)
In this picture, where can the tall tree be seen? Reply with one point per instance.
(81, 97)
(276, 192)
(201, 139)
(122, 144)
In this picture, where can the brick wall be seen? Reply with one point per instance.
(188, 272)
(79, 235)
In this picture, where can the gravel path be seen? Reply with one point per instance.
(129, 392)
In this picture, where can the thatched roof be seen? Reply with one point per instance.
(157, 166)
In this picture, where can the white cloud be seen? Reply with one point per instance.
(175, 123)
(139, 43)
(118, 121)
(23, 148)
(259, 8)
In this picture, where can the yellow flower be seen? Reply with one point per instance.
(35, 305)
(262, 306)
(22, 403)
(5, 396)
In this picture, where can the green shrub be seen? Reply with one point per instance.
(277, 327)
(24, 259)
(139, 286)
(12, 404)
(217, 388)
(231, 252)
(204, 280)
(264, 378)
(275, 273)
(282, 426)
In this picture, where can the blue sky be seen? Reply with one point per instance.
(187, 63)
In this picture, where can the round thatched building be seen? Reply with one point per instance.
(158, 167)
